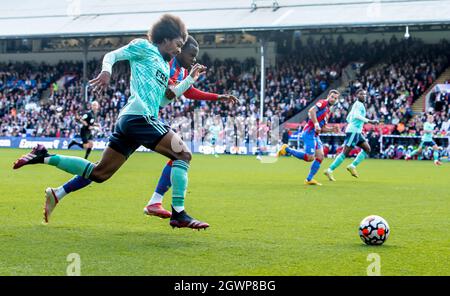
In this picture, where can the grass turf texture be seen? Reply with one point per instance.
(264, 221)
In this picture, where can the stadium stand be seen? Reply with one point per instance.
(393, 84)
(43, 100)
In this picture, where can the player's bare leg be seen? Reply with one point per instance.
(110, 162)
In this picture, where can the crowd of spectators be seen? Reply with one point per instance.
(394, 85)
(46, 100)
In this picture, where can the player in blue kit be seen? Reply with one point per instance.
(353, 137)
(179, 67)
(317, 124)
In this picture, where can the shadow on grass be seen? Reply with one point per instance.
(110, 239)
(364, 247)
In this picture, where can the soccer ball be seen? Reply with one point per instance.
(374, 230)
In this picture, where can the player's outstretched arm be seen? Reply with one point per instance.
(101, 82)
(175, 91)
(229, 98)
(134, 50)
(184, 85)
(198, 95)
(192, 93)
(197, 70)
(357, 114)
(362, 118)
(330, 129)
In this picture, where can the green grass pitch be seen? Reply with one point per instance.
(264, 221)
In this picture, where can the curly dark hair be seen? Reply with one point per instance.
(167, 27)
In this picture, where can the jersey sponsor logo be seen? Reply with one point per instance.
(162, 78)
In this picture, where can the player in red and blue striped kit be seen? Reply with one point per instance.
(178, 71)
(317, 123)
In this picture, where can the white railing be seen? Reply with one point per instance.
(410, 140)
(413, 140)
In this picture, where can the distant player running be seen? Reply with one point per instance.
(88, 123)
(138, 122)
(214, 131)
(318, 116)
(427, 141)
(353, 137)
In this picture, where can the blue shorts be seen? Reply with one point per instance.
(354, 139)
(427, 144)
(312, 142)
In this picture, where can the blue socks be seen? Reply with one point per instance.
(75, 184)
(296, 153)
(164, 182)
(314, 168)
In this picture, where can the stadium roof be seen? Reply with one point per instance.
(31, 18)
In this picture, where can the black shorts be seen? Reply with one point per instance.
(86, 135)
(132, 131)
